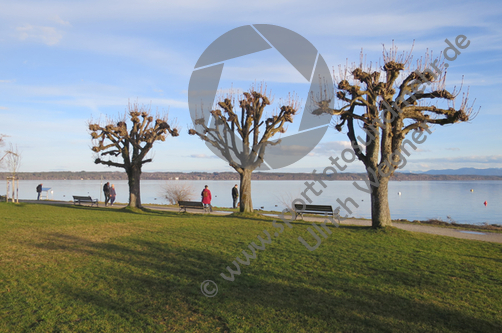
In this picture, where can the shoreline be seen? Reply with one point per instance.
(208, 176)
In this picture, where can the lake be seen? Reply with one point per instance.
(419, 200)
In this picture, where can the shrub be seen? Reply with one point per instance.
(174, 192)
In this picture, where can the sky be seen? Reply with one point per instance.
(65, 63)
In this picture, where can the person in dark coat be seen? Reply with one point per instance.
(235, 195)
(106, 191)
(206, 198)
(39, 191)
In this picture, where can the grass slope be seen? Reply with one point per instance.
(82, 269)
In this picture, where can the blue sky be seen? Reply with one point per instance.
(63, 63)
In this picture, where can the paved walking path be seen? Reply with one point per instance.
(428, 229)
(442, 231)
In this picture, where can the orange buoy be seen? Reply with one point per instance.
(486, 203)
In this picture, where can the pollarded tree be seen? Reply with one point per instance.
(130, 145)
(13, 159)
(3, 155)
(388, 104)
(241, 136)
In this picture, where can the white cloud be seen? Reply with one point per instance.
(292, 150)
(95, 101)
(203, 156)
(59, 20)
(476, 79)
(93, 95)
(154, 54)
(390, 17)
(46, 35)
(274, 72)
(331, 146)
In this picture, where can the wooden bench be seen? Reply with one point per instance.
(191, 204)
(80, 200)
(314, 209)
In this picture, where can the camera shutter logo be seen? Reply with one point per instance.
(298, 51)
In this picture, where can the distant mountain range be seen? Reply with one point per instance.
(466, 171)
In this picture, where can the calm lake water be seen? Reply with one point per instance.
(419, 200)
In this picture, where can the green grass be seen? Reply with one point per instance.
(82, 269)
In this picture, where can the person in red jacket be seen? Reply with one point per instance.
(206, 198)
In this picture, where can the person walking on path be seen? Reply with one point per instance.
(113, 194)
(39, 191)
(235, 195)
(206, 198)
(106, 191)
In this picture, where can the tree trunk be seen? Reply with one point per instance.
(246, 204)
(380, 212)
(134, 175)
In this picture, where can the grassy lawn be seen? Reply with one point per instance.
(82, 269)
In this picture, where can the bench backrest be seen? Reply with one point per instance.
(76, 197)
(313, 208)
(190, 203)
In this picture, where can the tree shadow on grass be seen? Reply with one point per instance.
(157, 285)
(152, 280)
(166, 213)
(486, 258)
(138, 211)
(123, 210)
(81, 207)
